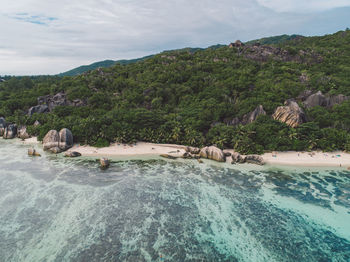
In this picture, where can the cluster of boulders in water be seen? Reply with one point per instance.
(216, 154)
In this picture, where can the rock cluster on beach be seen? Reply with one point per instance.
(216, 154)
(57, 142)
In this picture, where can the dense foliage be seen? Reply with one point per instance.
(184, 96)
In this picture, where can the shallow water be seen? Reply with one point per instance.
(55, 209)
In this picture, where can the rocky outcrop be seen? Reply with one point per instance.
(66, 139)
(247, 118)
(336, 99)
(237, 158)
(38, 109)
(36, 123)
(254, 159)
(252, 116)
(238, 43)
(57, 142)
(192, 150)
(2, 126)
(22, 132)
(318, 99)
(10, 131)
(51, 140)
(72, 154)
(212, 153)
(49, 102)
(291, 114)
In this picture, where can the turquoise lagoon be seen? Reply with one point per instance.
(56, 209)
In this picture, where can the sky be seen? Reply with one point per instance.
(49, 36)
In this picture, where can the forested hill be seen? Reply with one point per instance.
(287, 96)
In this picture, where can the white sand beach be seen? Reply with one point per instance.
(291, 158)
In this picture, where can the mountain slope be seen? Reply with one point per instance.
(202, 97)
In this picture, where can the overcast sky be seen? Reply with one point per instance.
(51, 36)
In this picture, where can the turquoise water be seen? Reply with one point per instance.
(55, 209)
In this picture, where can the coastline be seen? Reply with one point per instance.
(290, 158)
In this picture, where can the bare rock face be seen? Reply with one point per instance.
(49, 102)
(66, 139)
(290, 113)
(212, 153)
(254, 159)
(38, 109)
(22, 132)
(317, 99)
(2, 126)
(10, 131)
(336, 99)
(252, 116)
(37, 123)
(51, 140)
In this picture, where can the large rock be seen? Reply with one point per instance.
(254, 159)
(72, 154)
(317, 99)
(192, 150)
(38, 109)
(336, 99)
(51, 140)
(212, 153)
(237, 158)
(290, 113)
(22, 132)
(66, 139)
(10, 131)
(2, 126)
(252, 116)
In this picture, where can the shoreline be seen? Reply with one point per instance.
(289, 158)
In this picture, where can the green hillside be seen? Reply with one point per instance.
(274, 39)
(201, 97)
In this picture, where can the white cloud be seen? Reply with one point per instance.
(50, 36)
(303, 6)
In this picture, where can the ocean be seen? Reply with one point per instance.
(58, 209)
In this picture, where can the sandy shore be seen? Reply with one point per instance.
(315, 158)
(140, 148)
(311, 159)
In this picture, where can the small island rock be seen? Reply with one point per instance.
(72, 154)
